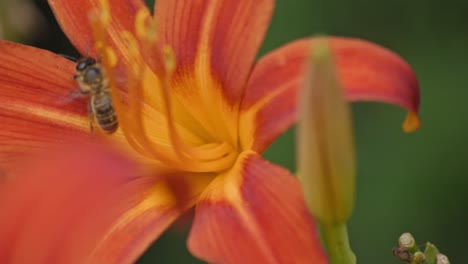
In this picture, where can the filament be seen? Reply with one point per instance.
(209, 157)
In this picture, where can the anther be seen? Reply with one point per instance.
(104, 13)
(145, 26)
(110, 56)
(169, 59)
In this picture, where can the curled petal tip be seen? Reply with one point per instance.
(411, 123)
(366, 72)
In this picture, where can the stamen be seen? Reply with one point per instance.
(145, 26)
(169, 62)
(169, 59)
(104, 11)
(110, 56)
(99, 21)
(219, 156)
(205, 158)
(201, 158)
(135, 79)
(147, 34)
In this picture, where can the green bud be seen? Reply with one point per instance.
(326, 156)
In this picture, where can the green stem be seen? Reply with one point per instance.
(335, 239)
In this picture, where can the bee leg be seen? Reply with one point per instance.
(91, 118)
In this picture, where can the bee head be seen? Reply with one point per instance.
(90, 72)
(92, 75)
(84, 63)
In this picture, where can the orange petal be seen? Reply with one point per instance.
(34, 86)
(366, 71)
(222, 37)
(84, 204)
(74, 19)
(255, 213)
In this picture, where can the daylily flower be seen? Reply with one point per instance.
(193, 107)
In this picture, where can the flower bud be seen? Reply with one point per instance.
(442, 259)
(406, 240)
(418, 258)
(402, 254)
(326, 160)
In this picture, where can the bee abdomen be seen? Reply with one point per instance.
(104, 113)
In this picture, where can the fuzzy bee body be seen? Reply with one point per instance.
(92, 81)
(103, 111)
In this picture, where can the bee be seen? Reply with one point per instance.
(92, 82)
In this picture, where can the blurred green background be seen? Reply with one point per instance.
(406, 182)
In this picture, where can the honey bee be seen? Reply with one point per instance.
(92, 82)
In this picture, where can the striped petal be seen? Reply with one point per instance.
(255, 213)
(74, 19)
(221, 37)
(34, 84)
(85, 204)
(367, 72)
(215, 44)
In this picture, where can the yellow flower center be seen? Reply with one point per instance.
(152, 119)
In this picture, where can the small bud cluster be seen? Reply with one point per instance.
(409, 252)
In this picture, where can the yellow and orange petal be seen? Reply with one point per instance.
(212, 62)
(154, 121)
(84, 204)
(366, 71)
(220, 54)
(221, 38)
(215, 44)
(36, 114)
(35, 110)
(255, 213)
(73, 17)
(38, 108)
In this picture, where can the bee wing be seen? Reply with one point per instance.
(77, 94)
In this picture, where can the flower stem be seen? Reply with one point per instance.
(335, 239)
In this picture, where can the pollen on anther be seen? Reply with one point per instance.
(110, 56)
(169, 58)
(145, 26)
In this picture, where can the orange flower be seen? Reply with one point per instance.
(195, 112)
